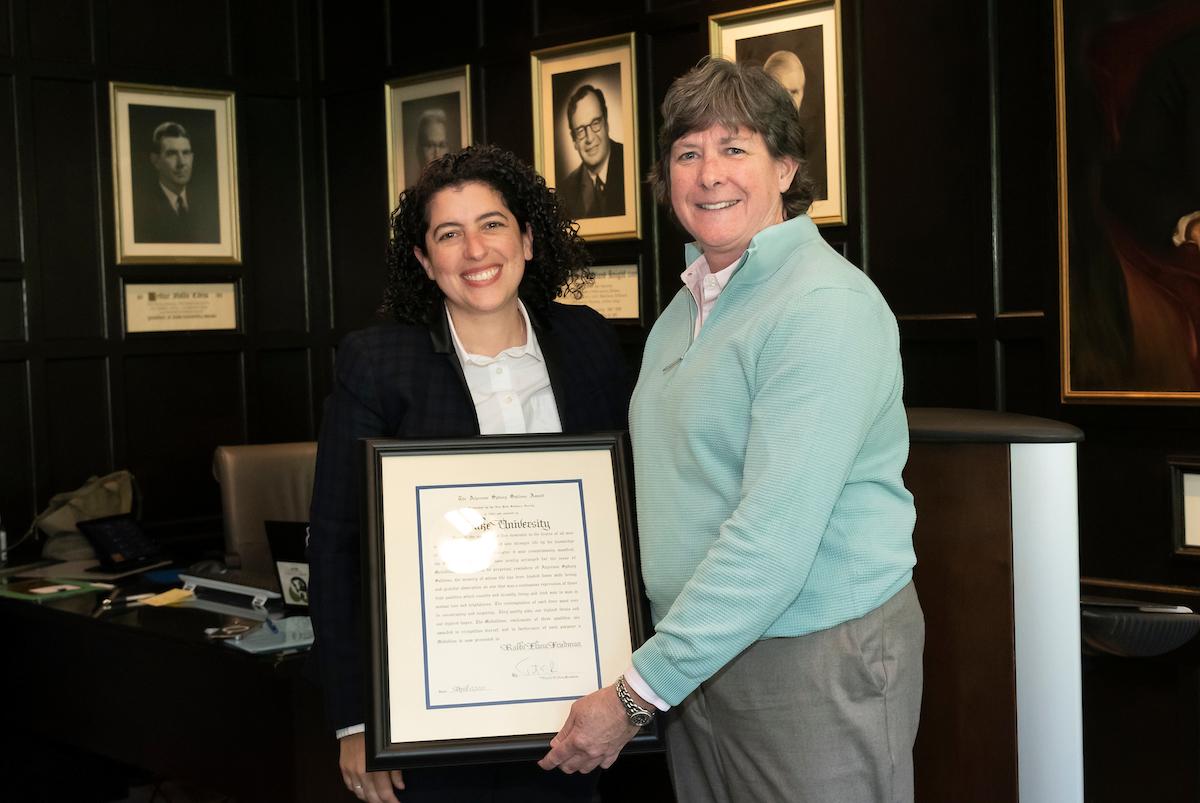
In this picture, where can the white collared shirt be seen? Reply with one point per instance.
(602, 173)
(705, 286)
(511, 391)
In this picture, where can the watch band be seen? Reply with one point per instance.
(637, 715)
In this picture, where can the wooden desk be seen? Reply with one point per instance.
(145, 687)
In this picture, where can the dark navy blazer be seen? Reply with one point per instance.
(405, 381)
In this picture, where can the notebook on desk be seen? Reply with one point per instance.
(39, 589)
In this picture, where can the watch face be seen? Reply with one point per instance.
(640, 719)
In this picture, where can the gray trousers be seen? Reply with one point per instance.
(829, 717)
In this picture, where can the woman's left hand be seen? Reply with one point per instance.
(593, 735)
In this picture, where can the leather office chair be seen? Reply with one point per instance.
(261, 482)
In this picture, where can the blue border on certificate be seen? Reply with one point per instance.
(587, 556)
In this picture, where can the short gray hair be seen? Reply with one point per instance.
(164, 130)
(720, 92)
(428, 118)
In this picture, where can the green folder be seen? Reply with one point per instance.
(40, 589)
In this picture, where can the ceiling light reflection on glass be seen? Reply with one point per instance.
(472, 545)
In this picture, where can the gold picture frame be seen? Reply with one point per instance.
(1129, 296)
(438, 102)
(599, 78)
(174, 157)
(800, 44)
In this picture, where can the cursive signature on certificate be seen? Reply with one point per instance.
(528, 667)
(467, 688)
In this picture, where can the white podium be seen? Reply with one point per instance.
(997, 540)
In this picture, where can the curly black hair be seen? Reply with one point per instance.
(560, 260)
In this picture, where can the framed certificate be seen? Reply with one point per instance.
(502, 585)
(614, 294)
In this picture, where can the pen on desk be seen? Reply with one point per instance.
(271, 626)
(126, 601)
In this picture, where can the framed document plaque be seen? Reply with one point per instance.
(502, 584)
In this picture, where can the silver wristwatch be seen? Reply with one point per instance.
(637, 715)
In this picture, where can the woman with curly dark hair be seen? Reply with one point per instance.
(479, 252)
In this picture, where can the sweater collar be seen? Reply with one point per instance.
(768, 249)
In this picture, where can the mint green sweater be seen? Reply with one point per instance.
(768, 456)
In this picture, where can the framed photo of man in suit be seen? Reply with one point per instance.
(797, 44)
(585, 133)
(174, 175)
(428, 116)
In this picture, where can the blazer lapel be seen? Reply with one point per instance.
(556, 367)
(439, 335)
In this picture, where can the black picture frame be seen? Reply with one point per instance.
(387, 541)
(1180, 467)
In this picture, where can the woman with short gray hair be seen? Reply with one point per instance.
(769, 436)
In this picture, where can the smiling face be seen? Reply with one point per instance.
(475, 250)
(593, 146)
(725, 188)
(173, 162)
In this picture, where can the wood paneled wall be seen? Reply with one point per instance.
(951, 181)
(77, 397)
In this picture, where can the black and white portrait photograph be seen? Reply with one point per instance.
(796, 59)
(796, 44)
(588, 153)
(428, 116)
(174, 175)
(172, 152)
(585, 133)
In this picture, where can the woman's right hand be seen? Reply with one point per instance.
(373, 787)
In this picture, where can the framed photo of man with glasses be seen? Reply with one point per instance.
(585, 133)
